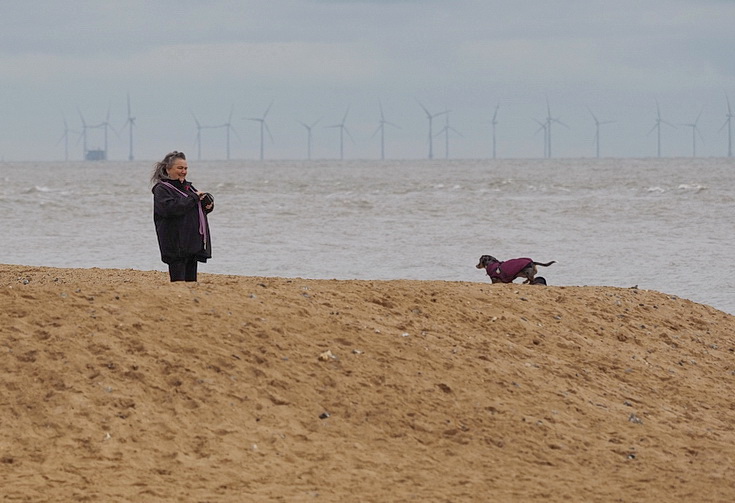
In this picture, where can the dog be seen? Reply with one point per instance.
(509, 270)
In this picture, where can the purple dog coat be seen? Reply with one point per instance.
(507, 271)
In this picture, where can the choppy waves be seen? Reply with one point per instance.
(605, 222)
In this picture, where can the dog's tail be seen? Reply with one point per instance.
(547, 264)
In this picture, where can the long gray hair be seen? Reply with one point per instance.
(160, 169)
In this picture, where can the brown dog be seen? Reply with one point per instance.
(507, 271)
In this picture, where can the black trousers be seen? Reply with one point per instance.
(183, 270)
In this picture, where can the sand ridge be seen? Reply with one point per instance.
(120, 386)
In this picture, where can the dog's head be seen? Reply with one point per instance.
(485, 260)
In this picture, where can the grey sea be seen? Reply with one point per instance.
(660, 224)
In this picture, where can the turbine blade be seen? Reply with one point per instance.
(195, 120)
(542, 125)
(593, 116)
(698, 116)
(460, 134)
(424, 108)
(348, 134)
(268, 109)
(234, 131)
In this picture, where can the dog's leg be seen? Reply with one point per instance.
(529, 273)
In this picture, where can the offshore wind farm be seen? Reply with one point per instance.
(92, 141)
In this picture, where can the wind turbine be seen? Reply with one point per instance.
(65, 137)
(494, 122)
(381, 129)
(228, 127)
(549, 120)
(695, 131)
(308, 136)
(597, 130)
(342, 131)
(263, 127)
(130, 122)
(729, 115)
(657, 126)
(431, 116)
(446, 130)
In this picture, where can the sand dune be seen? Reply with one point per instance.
(119, 386)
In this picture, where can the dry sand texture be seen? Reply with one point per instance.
(119, 386)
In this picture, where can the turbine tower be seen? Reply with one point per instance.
(65, 137)
(104, 125)
(494, 122)
(342, 131)
(445, 131)
(263, 128)
(228, 127)
(83, 135)
(199, 136)
(695, 132)
(657, 127)
(597, 131)
(430, 116)
(308, 136)
(381, 129)
(549, 120)
(729, 115)
(130, 123)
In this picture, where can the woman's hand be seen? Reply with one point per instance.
(201, 196)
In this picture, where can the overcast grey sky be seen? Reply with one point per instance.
(315, 59)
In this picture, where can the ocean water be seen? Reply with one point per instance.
(660, 224)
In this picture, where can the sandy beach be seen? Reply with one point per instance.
(120, 386)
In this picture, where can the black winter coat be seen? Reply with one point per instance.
(177, 223)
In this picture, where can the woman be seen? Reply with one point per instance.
(180, 214)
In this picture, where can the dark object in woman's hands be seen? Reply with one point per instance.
(207, 199)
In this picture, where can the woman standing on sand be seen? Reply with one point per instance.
(180, 214)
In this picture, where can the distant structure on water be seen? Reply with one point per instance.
(95, 155)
